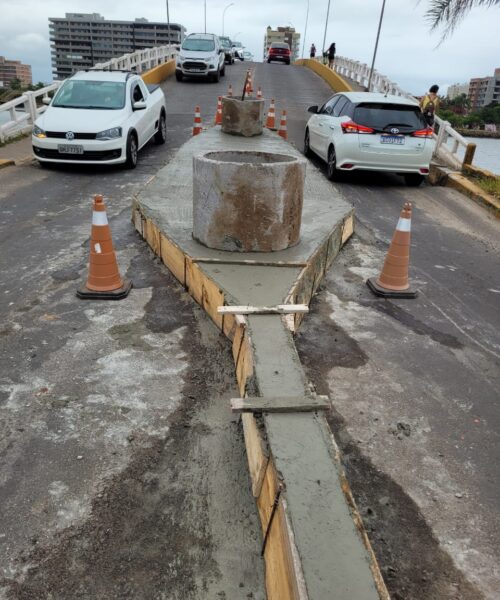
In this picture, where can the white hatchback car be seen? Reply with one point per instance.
(373, 132)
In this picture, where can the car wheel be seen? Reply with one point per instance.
(178, 76)
(132, 150)
(223, 72)
(331, 165)
(413, 179)
(307, 146)
(216, 77)
(161, 134)
(268, 62)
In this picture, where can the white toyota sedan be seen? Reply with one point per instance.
(100, 117)
(373, 132)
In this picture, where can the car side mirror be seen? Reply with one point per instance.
(178, 48)
(139, 105)
(313, 109)
(221, 50)
(46, 101)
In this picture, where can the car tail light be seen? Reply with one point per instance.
(347, 166)
(424, 171)
(423, 133)
(352, 127)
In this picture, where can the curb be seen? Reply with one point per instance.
(6, 162)
(454, 179)
(333, 79)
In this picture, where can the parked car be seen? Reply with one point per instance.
(100, 117)
(371, 131)
(279, 52)
(201, 55)
(238, 50)
(247, 55)
(229, 51)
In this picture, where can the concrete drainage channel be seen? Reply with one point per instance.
(251, 202)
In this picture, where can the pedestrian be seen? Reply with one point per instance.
(331, 55)
(312, 52)
(429, 105)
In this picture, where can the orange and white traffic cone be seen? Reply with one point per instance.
(197, 121)
(271, 116)
(393, 280)
(218, 114)
(283, 132)
(259, 93)
(104, 281)
(250, 80)
(230, 91)
(248, 89)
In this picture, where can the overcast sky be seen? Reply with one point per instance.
(408, 52)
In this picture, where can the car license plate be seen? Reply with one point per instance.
(392, 139)
(69, 149)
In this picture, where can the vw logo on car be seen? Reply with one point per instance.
(70, 135)
(394, 130)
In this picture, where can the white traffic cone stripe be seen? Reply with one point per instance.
(99, 217)
(404, 224)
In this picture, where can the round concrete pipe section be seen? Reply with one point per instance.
(247, 201)
(242, 117)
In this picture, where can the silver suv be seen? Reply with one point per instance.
(201, 55)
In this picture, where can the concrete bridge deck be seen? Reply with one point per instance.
(415, 385)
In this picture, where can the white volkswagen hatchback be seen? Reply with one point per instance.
(373, 132)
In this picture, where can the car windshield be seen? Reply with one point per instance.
(381, 115)
(282, 46)
(198, 45)
(105, 95)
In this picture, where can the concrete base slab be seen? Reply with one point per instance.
(315, 542)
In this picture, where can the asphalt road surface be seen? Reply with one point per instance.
(122, 473)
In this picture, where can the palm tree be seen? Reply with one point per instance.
(450, 12)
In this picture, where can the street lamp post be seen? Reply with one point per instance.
(376, 45)
(224, 14)
(205, 16)
(326, 25)
(305, 30)
(168, 24)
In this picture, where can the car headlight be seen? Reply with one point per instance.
(109, 134)
(39, 133)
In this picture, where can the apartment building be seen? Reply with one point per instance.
(14, 69)
(286, 35)
(457, 89)
(484, 90)
(80, 40)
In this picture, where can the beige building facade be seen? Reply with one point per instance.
(14, 69)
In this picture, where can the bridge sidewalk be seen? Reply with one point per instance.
(15, 152)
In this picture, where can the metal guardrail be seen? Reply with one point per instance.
(451, 148)
(24, 110)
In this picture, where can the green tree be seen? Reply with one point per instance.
(449, 13)
(15, 84)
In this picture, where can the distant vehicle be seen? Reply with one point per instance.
(238, 50)
(247, 55)
(370, 131)
(280, 52)
(201, 55)
(100, 117)
(229, 51)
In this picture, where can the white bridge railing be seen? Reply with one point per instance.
(23, 111)
(451, 147)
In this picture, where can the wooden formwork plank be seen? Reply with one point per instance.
(281, 576)
(243, 357)
(152, 235)
(280, 404)
(137, 220)
(204, 291)
(348, 228)
(257, 453)
(173, 258)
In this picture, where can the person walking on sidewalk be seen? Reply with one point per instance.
(430, 104)
(331, 55)
(312, 51)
